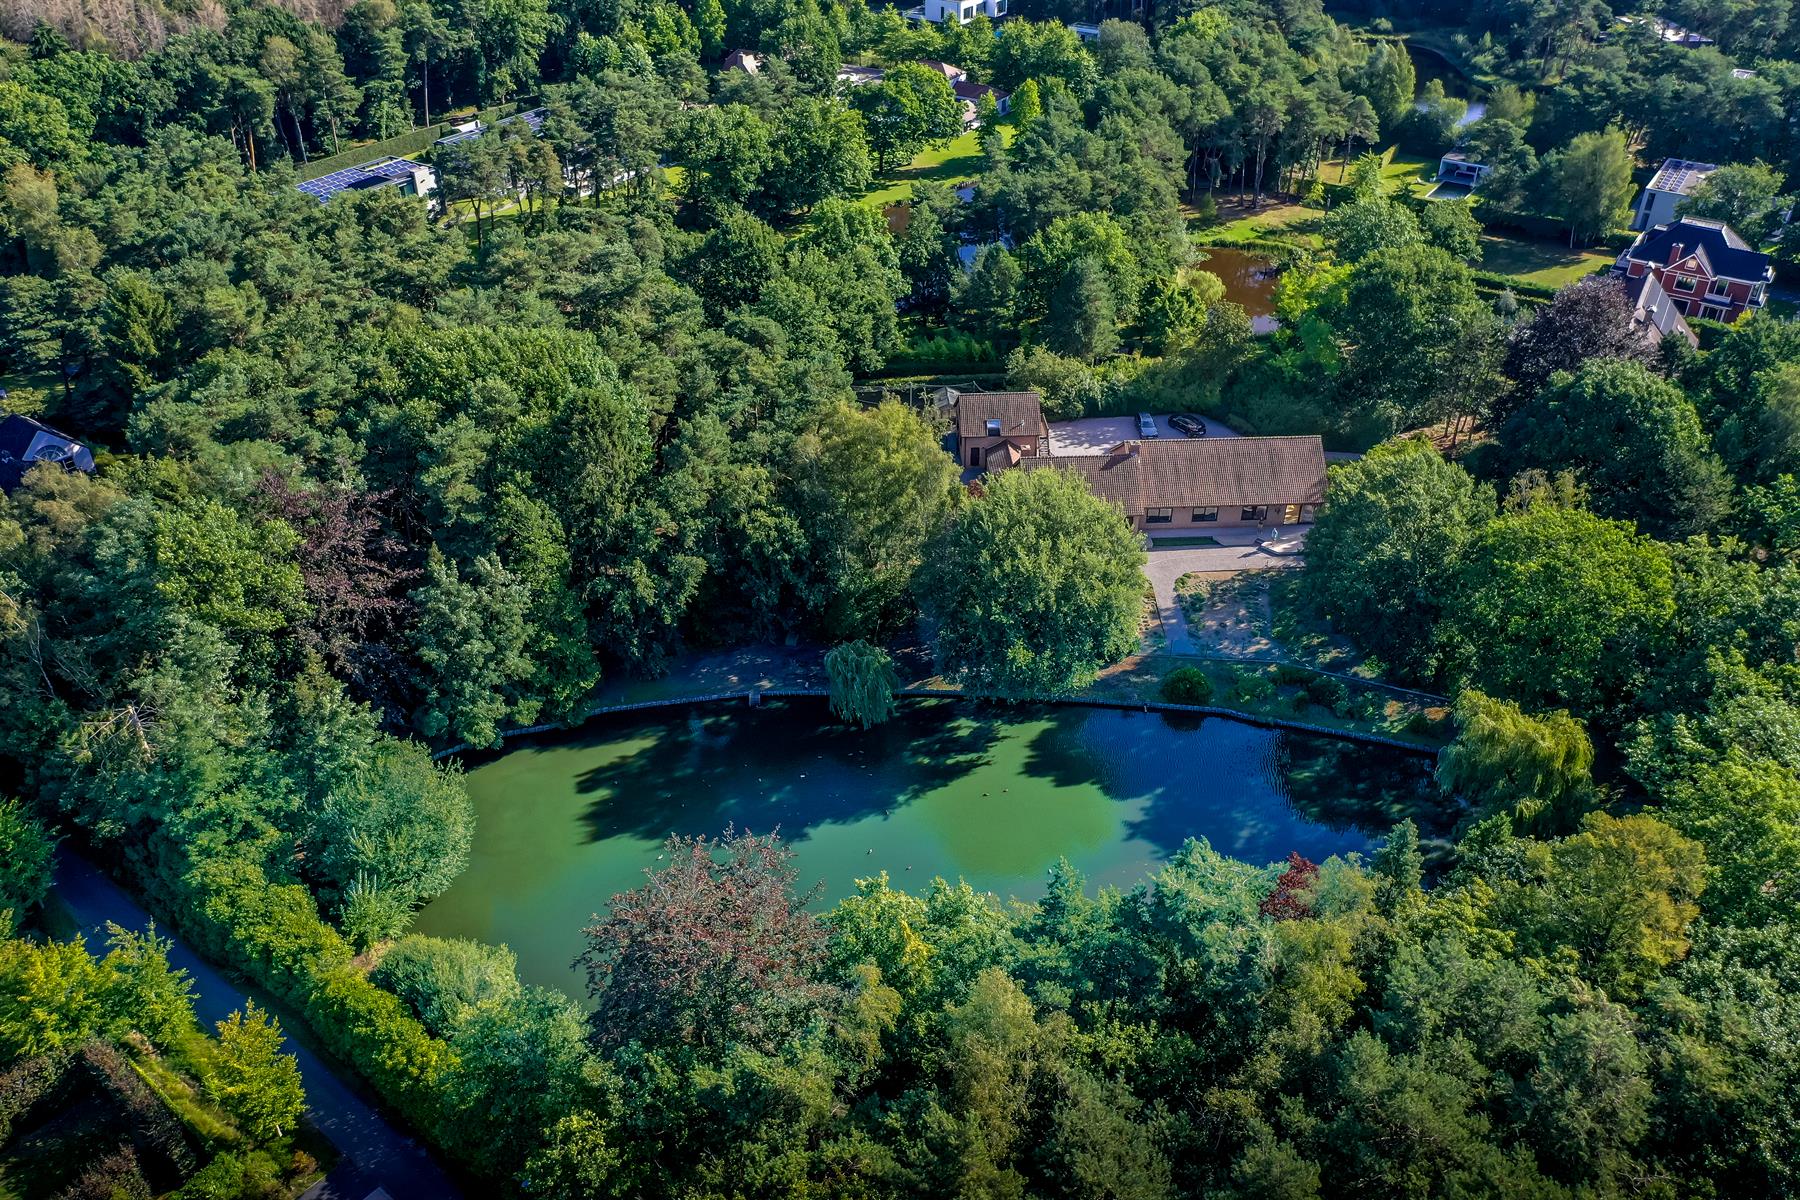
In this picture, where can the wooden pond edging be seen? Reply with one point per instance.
(754, 696)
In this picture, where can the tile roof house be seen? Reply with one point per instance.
(989, 421)
(24, 443)
(1704, 266)
(950, 71)
(1675, 181)
(1204, 483)
(742, 60)
(970, 94)
(1186, 484)
(1654, 312)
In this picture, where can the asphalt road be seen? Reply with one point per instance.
(377, 1157)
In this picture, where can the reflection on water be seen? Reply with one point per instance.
(988, 794)
(1249, 281)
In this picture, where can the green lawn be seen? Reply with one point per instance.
(1276, 219)
(954, 163)
(1550, 264)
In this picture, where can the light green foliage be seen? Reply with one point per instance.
(250, 1078)
(1451, 226)
(863, 683)
(441, 977)
(1620, 894)
(1080, 279)
(1556, 607)
(723, 153)
(1388, 80)
(26, 849)
(1356, 230)
(1034, 587)
(819, 151)
(1590, 183)
(1026, 105)
(55, 995)
(910, 108)
(1420, 345)
(1503, 760)
(1746, 196)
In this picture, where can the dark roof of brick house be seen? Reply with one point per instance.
(24, 443)
(1201, 472)
(966, 90)
(1726, 253)
(1019, 414)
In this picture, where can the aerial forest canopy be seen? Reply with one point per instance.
(386, 475)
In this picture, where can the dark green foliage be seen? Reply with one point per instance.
(1045, 614)
(1632, 439)
(1187, 685)
(373, 474)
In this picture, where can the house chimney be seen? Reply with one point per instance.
(1674, 254)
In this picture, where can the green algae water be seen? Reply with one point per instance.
(989, 794)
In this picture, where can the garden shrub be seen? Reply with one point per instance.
(1253, 687)
(1187, 685)
(440, 977)
(1292, 675)
(1326, 691)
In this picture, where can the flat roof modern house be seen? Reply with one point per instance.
(407, 177)
(1675, 181)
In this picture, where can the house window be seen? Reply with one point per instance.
(1719, 290)
(1712, 312)
(1684, 283)
(1254, 512)
(1158, 516)
(993, 427)
(1290, 514)
(1206, 514)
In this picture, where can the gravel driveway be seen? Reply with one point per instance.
(1164, 567)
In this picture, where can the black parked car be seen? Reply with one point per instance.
(1189, 424)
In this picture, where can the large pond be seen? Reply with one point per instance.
(990, 795)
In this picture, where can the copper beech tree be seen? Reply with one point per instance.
(714, 950)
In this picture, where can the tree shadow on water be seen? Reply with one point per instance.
(784, 763)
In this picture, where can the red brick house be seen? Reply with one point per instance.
(1705, 267)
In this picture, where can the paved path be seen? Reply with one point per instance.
(1164, 567)
(376, 1155)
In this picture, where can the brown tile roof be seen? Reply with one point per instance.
(1201, 472)
(974, 91)
(1017, 412)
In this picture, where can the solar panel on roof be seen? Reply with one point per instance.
(379, 173)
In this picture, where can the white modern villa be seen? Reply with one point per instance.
(960, 11)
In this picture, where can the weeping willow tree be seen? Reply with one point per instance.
(1537, 769)
(863, 683)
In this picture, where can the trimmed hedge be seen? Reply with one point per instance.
(234, 914)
